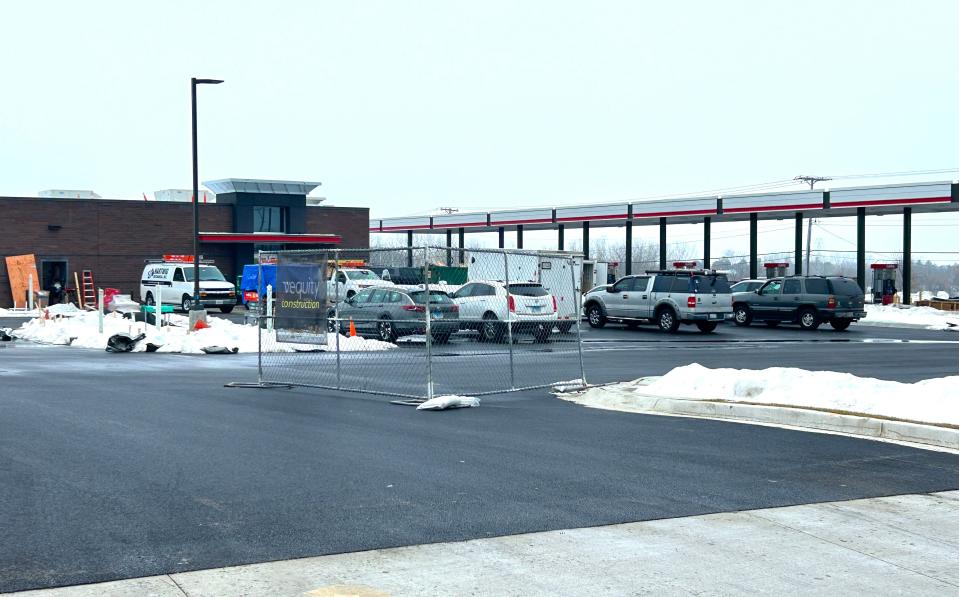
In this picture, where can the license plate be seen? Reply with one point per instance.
(847, 315)
(536, 308)
(436, 314)
(715, 316)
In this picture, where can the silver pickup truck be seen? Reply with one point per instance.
(667, 298)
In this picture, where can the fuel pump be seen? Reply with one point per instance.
(884, 282)
(775, 270)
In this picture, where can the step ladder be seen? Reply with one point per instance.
(88, 292)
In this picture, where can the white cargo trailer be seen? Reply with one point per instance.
(561, 276)
(492, 266)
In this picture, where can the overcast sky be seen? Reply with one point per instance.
(409, 106)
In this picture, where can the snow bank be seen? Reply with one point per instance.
(909, 316)
(81, 330)
(928, 401)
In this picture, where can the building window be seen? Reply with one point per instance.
(269, 219)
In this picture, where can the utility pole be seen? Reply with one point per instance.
(811, 181)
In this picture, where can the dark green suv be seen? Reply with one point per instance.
(807, 300)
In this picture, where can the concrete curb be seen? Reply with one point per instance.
(918, 433)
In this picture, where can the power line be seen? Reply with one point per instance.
(904, 173)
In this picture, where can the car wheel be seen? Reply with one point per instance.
(543, 332)
(226, 309)
(771, 324)
(742, 315)
(564, 327)
(149, 299)
(840, 325)
(331, 321)
(490, 329)
(594, 313)
(706, 326)
(809, 319)
(667, 320)
(385, 330)
(187, 303)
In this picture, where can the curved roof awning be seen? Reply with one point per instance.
(253, 185)
(272, 238)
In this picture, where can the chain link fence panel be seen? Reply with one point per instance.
(419, 322)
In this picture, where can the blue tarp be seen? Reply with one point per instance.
(250, 274)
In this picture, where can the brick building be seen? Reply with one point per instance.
(113, 238)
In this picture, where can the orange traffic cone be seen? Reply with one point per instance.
(352, 328)
(201, 325)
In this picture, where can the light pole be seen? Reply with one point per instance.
(196, 307)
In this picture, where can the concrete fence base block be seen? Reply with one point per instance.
(799, 417)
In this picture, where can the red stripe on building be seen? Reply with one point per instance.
(417, 227)
(270, 238)
(531, 221)
(737, 210)
(463, 225)
(875, 202)
(590, 218)
(662, 214)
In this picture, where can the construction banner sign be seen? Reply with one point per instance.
(301, 306)
(19, 270)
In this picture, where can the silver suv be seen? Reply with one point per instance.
(666, 298)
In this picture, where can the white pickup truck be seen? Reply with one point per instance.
(351, 280)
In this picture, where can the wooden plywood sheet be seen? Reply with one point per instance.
(19, 270)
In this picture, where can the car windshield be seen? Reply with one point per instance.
(361, 274)
(527, 290)
(208, 273)
(435, 297)
(710, 283)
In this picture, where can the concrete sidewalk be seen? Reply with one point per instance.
(905, 545)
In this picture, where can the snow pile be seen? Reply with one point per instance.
(908, 316)
(444, 402)
(928, 401)
(572, 385)
(82, 330)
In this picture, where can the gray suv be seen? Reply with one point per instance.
(666, 298)
(387, 313)
(807, 300)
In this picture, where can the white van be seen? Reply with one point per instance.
(170, 282)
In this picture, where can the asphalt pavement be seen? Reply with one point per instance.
(123, 465)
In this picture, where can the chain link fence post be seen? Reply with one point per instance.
(509, 321)
(259, 327)
(578, 293)
(335, 275)
(429, 331)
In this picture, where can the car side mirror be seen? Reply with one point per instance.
(611, 290)
(758, 291)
